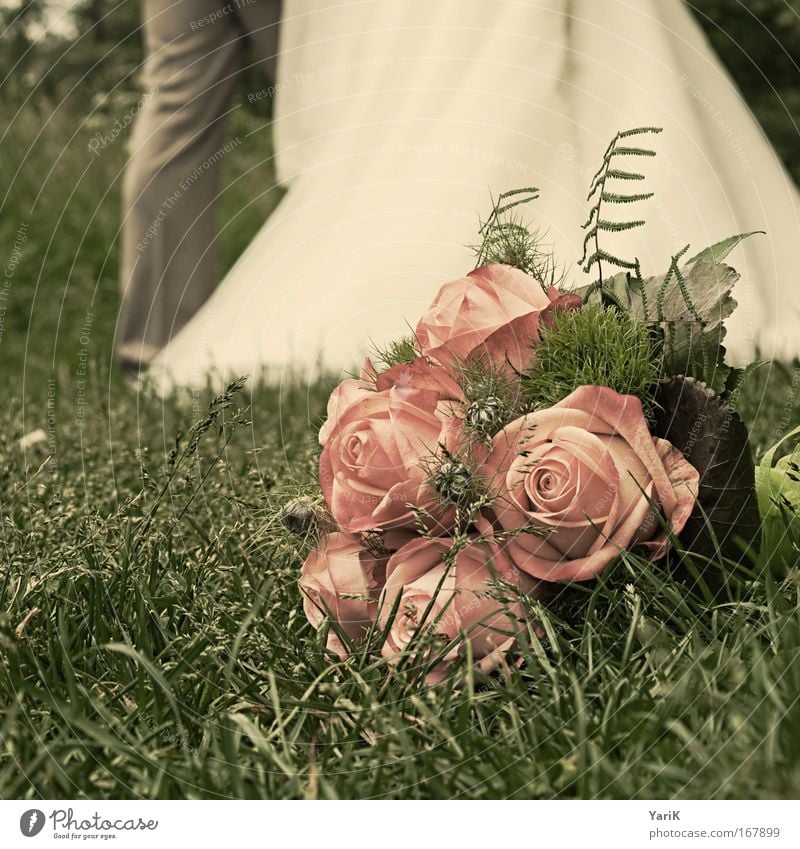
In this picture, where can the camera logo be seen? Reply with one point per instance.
(31, 822)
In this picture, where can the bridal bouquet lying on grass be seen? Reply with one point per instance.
(526, 435)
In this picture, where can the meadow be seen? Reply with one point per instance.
(152, 642)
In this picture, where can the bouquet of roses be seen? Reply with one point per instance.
(526, 435)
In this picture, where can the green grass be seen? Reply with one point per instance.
(152, 642)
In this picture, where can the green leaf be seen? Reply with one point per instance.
(617, 226)
(718, 251)
(618, 174)
(714, 440)
(616, 197)
(693, 352)
(632, 151)
(778, 491)
(688, 305)
(607, 257)
(639, 131)
(700, 293)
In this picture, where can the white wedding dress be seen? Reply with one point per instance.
(396, 119)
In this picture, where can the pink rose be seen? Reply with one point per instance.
(378, 452)
(349, 391)
(419, 373)
(582, 473)
(493, 312)
(466, 603)
(343, 580)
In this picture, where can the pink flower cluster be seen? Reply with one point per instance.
(570, 486)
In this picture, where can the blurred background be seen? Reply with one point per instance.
(108, 542)
(70, 89)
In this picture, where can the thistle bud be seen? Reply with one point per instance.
(485, 414)
(453, 480)
(299, 515)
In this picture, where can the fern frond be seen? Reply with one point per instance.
(671, 271)
(617, 174)
(632, 151)
(507, 239)
(638, 131)
(601, 255)
(504, 205)
(612, 227)
(600, 190)
(615, 197)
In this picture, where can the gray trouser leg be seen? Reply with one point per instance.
(168, 264)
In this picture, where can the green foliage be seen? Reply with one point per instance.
(596, 345)
(397, 352)
(778, 490)
(506, 239)
(725, 522)
(92, 51)
(603, 191)
(687, 306)
(493, 398)
(178, 664)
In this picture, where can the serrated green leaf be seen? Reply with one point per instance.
(714, 440)
(718, 251)
(658, 300)
(692, 352)
(689, 307)
(708, 285)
